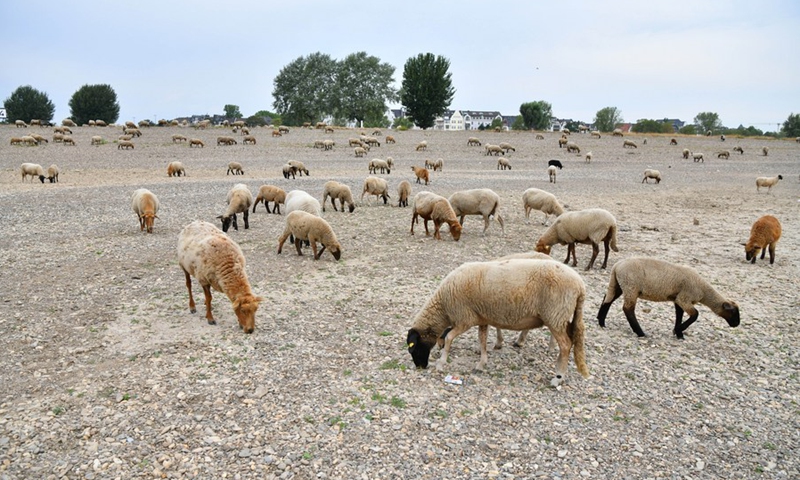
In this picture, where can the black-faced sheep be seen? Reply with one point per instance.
(270, 193)
(124, 145)
(249, 140)
(595, 134)
(738, 149)
(503, 164)
(555, 163)
(31, 141)
(52, 174)
(660, 281)
(18, 140)
(473, 141)
(359, 152)
(289, 170)
(629, 144)
(306, 226)
(20, 124)
(551, 171)
(372, 142)
(377, 164)
(235, 168)
(376, 186)
(145, 206)
(239, 201)
(590, 226)
(39, 139)
(299, 167)
(403, 192)
(507, 147)
(617, 132)
(390, 139)
(478, 201)
(421, 173)
(724, 154)
(217, 262)
(33, 169)
(768, 182)
(434, 207)
(226, 141)
(434, 164)
(545, 202)
(650, 173)
(765, 151)
(67, 140)
(338, 191)
(698, 157)
(176, 169)
(97, 140)
(513, 294)
(686, 153)
(493, 149)
(764, 234)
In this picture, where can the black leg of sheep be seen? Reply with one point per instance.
(630, 314)
(681, 327)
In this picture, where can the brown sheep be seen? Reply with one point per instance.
(175, 169)
(125, 144)
(196, 142)
(421, 173)
(765, 233)
(390, 139)
(434, 207)
(270, 193)
(403, 192)
(226, 141)
(673, 142)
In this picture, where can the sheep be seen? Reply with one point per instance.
(249, 140)
(372, 141)
(125, 145)
(766, 232)
(196, 142)
(176, 169)
(434, 164)
(129, 124)
(390, 139)
(765, 151)
(423, 145)
(492, 149)
(39, 138)
(353, 142)
(125, 137)
(650, 173)
(539, 136)
(698, 157)
(359, 152)
(738, 149)
(144, 123)
(507, 147)
(551, 171)
(67, 122)
(145, 206)
(556, 163)
(217, 262)
(421, 174)
(299, 167)
(686, 153)
(390, 162)
(434, 207)
(338, 191)
(37, 122)
(133, 132)
(768, 182)
(478, 201)
(289, 170)
(376, 186)
(473, 141)
(33, 169)
(283, 129)
(377, 132)
(306, 226)
(97, 140)
(514, 294)
(629, 144)
(724, 154)
(660, 281)
(31, 142)
(52, 174)
(617, 132)
(226, 141)
(239, 201)
(270, 193)
(595, 134)
(584, 226)
(239, 124)
(545, 202)
(377, 164)
(403, 192)
(722, 138)
(276, 133)
(67, 140)
(673, 141)
(235, 168)
(100, 123)
(589, 157)
(572, 147)
(18, 140)
(20, 124)
(328, 144)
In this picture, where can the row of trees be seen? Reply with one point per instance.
(90, 102)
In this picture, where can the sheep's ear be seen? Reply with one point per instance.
(742, 243)
(219, 217)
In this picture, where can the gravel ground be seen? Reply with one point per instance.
(106, 374)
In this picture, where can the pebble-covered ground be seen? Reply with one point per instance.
(106, 374)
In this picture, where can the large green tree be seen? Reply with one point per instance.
(652, 126)
(26, 103)
(427, 88)
(708, 122)
(791, 127)
(536, 115)
(303, 89)
(363, 86)
(606, 119)
(94, 102)
(232, 111)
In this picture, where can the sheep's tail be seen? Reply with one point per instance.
(576, 333)
(613, 232)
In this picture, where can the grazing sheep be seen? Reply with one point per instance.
(217, 262)
(100, 123)
(31, 142)
(338, 191)
(724, 154)
(555, 163)
(377, 132)
(686, 153)
(423, 145)
(473, 141)
(478, 201)
(299, 167)
(249, 140)
(67, 140)
(390, 139)
(124, 137)
(660, 281)
(135, 132)
(52, 173)
(590, 226)
(372, 141)
(301, 200)
(18, 141)
(551, 171)
(766, 232)
(421, 174)
(145, 206)
(376, 186)
(738, 149)
(226, 141)
(595, 134)
(765, 151)
(270, 193)
(283, 129)
(359, 152)
(328, 144)
(20, 124)
(39, 139)
(503, 164)
(144, 123)
(125, 145)
(36, 122)
(493, 149)
(722, 138)
(196, 142)
(289, 170)
(318, 144)
(573, 148)
(513, 294)
(354, 142)
(434, 164)
(650, 173)
(698, 157)
(545, 202)
(589, 157)
(97, 140)
(390, 162)
(306, 226)
(617, 132)
(403, 192)
(507, 147)
(434, 207)
(129, 124)
(33, 169)
(235, 168)
(176, 169)
(539, 136)
(377, 164)
(67, 122)
(629, 144)
(672, 141)
(239, 201)
(768, 182)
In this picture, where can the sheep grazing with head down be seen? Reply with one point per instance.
(738, 149)
(686, 153)
(555, 163)
(239, 201)
(473, 142)
(590, 226)
(434, 207)
(768, 182)
(52, 174)
(589, 157)
(217, 262)
(650, 173)
(628, 144)
(421, 173)
(196, 142)
(377, 164)
(513, 294)
(724, 154)
(507, 147)
(33, 169)
(617, 132)
(423, 145)
(390, 139)
(764, 234)
(145, 205)
(545, 202)
(503, 164)
(338, 191)
(311, 228)
(698, 157)
(478, 201)
(301, 200)
(493, 149)
(673, 141)
(403, 192)
(660, 281)
(270, 193)
(573, 148)
(298, 167)
(434, 164)
(235, 168)
(176, 169)
(376, 186)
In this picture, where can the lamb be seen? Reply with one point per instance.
(738, 149)
(768, 182)
(434, 207)
(377, 164)
(551, 171)
(434, 164)
(545, 202)
(507, 147)
(390, 139)
(503, 164)
(239, 201)
(617, 132)
(338, 191)
(235, 168)
(299, 167)
(306, 226)
(217, 262)
(423, 145)
(421, 174)
(765, 151)
(226, 141)
(125, 144)
(493, 149)
(698, 157)
(766, 232)
(572, 147)
(660, 281)
(514, 294)
(403, 192)
(376, 186)
(629, 144)
(249, 140)
(584, 226)
(196, 142)
(650, 173)
(33, 169)
(359, 152)
(270, 193)
(724, 154)
(175, 169)
(97, 140)
(479, 201)
(145, 206)
(589, 157)
(473, 141)
(52, 174)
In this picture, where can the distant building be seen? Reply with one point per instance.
(3, 117)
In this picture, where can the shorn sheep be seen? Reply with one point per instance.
(764, 234)
(660, 281)
(235, 168)
(545, 202)
(768, 182)
(217, 262)
(650, 173)
(478, 201)
(434, 164)
(403, 192)
(590, 226)
(513, 294)
(239, 201)
(176, 169)
(338, 191)
(145, 205)
(376, 186)
(493, 149)
(305, 226)
(698, 157)
(301, 200)
(421, 173)
(551, 171)
(270, 193)
(377, 164)
(434, 207)
(33, 169)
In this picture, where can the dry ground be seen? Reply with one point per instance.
(106, 374)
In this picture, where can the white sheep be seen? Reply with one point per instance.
(629, 144)
(478, 201)
(376, 186)
(217, 262)
(660, 281)
(423, 145)
(493, 149)
(377, 164)
(359, 152)
(338, 191)
(301, 200)
(503, 164)
(768, 182)
(390, 162)
(589, 157)
(145, 206)
(97, 140)
(551, 171)
(33, 169)
(434, 164)
(298, 167)
(289, 170)
(434, 207)
(573, 148)
(176, 169)
(239, 201)
(686, 153)
(651, 173)
(328, 144)
(403, 192)
(177, 138)
(765, 151)
(513, 294)
(617, 132)
(507, 147)
(305, 226)
(473, 141)
(235, 168)
(52, 173)
(121, 145)
(590, 226)
(545, 202)
(270, 193)
(698, 157)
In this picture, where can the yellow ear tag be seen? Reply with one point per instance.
(410, 344)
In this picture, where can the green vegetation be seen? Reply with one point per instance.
(26, 103)
(427, 88)
(94, 102)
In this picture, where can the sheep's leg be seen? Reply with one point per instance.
(520, 341)
(763, 253)
(209, 316)
(266, 205)
(601, 315)
(772, 253)
(314, 248)
(606, 247)
(498, 344)
(276, 207)
(564, 347)
(245, 214)
(483, 333)
(681, 327)
(425, 222)
(595, 251)
(413, 221)
(448, 340)
(629, 308)
(569, 253)
(235, 225)
(189, 287)
(297, 244)
(436, 227)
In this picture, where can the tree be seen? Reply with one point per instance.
(606, 119)
(688, 130)
(652, 126)
(791, 127)
(536, 115)
(94, 102)
(26, 103)
(259, 118)
(496, 123)
(303, 88)
(362, 88)
(402, 123)
(519, 123)
(427, 88)
(232, 111)
(708, 122)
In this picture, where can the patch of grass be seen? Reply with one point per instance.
(378, 397)
(466, 413)
(398, 402)
(347, 372)
(770, 446)
(337, 422)
(385, 334)
(309, 419)
(58, 410)
(392, 365)
(368, 417)
(440, 413)
(127, 396)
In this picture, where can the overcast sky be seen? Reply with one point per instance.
(171, 58)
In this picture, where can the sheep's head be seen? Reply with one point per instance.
(336, 251)
(541, 247)
(352, 207)
(149, 220)
(455, 230)
(730, 312)
(227, 221)
(41, 179)
(419, 349)
(245, 308)
(751, 251)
